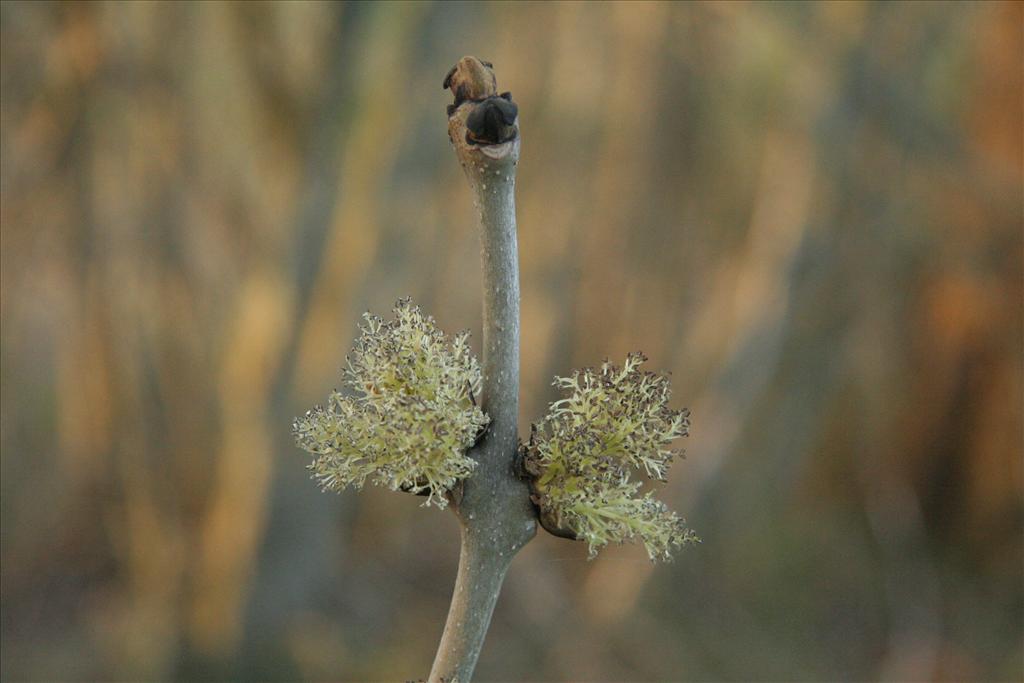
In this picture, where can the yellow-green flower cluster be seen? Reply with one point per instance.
(413, 416)
(583, 454)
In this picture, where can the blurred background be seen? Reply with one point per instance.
(811, 214)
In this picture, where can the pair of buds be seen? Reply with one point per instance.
(493, 118)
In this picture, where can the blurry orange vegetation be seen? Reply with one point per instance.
(809, 214)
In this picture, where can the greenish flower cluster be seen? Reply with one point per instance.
(583, 455)
(413, 416)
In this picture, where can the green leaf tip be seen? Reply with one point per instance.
(412, 415)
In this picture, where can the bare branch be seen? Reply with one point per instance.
(495, 510)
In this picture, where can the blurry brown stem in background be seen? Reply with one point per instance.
(494, 505)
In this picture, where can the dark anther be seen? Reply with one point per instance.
(492, 122)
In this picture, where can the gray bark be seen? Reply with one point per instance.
(493, 505)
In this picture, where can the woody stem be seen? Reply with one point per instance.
(495, 512)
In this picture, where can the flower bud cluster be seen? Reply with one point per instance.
(413, 416)
(583, 456)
